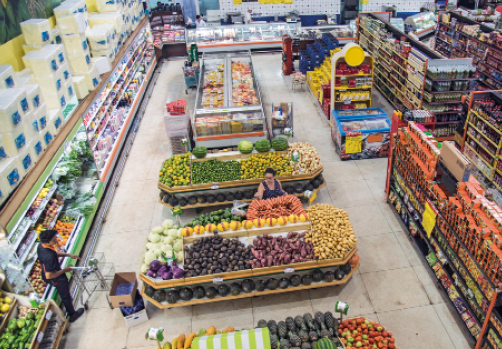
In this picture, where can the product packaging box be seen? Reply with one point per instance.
(8, 78)
(456, 162)
(135, 315)
(36, 31)
(123, 281)
(72, 24)
(75, 44)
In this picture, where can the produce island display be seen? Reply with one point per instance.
(185, 179)
(197, 264)
(321, 331)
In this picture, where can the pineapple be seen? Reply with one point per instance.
(325, 334)
(299, 321)
(312, 344)
(271, 323)
(282, 329)
(306, 345)
(262, 323)
(329, 320)
(273, 341)
(319, 317)
(304, 336)
(290, 323)
(273, 328)
(331, 333)
(284, 344)
(291, 334)
(313, 336)
(308, 319)
(315, 325)
(295, 341)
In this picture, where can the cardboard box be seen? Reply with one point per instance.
(456, 162)
(123, 300)
(136, 318)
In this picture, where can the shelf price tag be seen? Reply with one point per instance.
(218, 280)
(341, 307)
(48, 315)
(215, 186)
(40, 336)
(429, 218)
(289, 270)
(353, 141)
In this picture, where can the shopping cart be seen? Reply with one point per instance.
(97, 275)
(191, 78)
(282, 125)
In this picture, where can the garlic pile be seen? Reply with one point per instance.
(307, 156)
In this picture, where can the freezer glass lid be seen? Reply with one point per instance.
(365, 124)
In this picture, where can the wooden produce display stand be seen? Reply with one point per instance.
(264, 273)
(215, 188)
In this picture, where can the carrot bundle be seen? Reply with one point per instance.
(274, 208)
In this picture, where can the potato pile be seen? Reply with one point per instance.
(331, 232)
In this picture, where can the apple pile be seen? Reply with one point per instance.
(364, 334)
(36, 279)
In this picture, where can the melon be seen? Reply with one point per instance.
(223, 226)
(235, 225)
(258, 222)
(198, 230)
(324, 343)
(210, 227)
(187, 231)
(303, 217)
(199, 152)
(245, 147)
(293, 218)
(282, 220)
(280, 143)
(263, 145)
(271, 221)
(247, 224)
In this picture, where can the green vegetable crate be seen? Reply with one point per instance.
(42, 327)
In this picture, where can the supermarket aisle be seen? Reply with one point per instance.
(393, 284)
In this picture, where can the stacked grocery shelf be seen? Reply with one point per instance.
(483, 140)
(408, 74)
(460, 36)
(168, 29)
(460, 258)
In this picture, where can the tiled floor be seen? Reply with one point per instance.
(393, 284)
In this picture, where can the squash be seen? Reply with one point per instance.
(211, 330)
(181, 341)
(354, 260)
(174, 343)
(188, 341)
(228, 329)
(202, 333)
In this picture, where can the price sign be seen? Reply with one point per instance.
(184, 141)
(289, 270)
(48, 315)
(215, 186)
(429, 218)
(353, 142)
(341, 307)
(217, 280)
(40, 336)
(176, 211)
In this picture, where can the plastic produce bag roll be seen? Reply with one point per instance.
(72, 24)
(75, 44)
(258, 338)
(8, 78)
(36, 31)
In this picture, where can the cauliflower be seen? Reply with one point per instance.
(178, 245)
(149, 257)
(179, 256)
(153, 237)
(149, 246)
(180, 233)
(168, 240)
(172, 233)
(168, 224)
(166, 247)
(144, 268)
(157, 230)
(157, 253)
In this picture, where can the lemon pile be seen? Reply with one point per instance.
(5, 305)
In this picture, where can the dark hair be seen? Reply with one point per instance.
(197, 17)
(47, 235)
(270, 170)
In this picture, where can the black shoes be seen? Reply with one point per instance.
(77, 314)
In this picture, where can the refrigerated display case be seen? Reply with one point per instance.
(423, 23)
(343, 33)
(240, 37)
(361, 133)
(228, 105)
(168, 29)
(110, 115)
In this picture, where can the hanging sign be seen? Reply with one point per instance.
(341, 307)
(353, 141)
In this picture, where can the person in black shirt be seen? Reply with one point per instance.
(51, 271)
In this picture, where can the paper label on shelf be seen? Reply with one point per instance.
(218, 280)
(215, 186)
(48, 315)
(40, 336)
(353, 142)
(289, 270)
(429, 218)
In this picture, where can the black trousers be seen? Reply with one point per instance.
(63, 286)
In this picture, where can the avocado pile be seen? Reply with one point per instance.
(19, 333)
(215, 217)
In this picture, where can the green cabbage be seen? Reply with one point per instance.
(153, 237)
(144, 268)
(157, 230)
(178, 245)
(168, 240)
(168, 224)
(149, 257)
(172, 233)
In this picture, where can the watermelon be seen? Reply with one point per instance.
(245, 147)
(199, 152)
(280, 143)
(262, 146)
(324, 343)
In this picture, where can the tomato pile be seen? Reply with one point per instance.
(365, 334)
